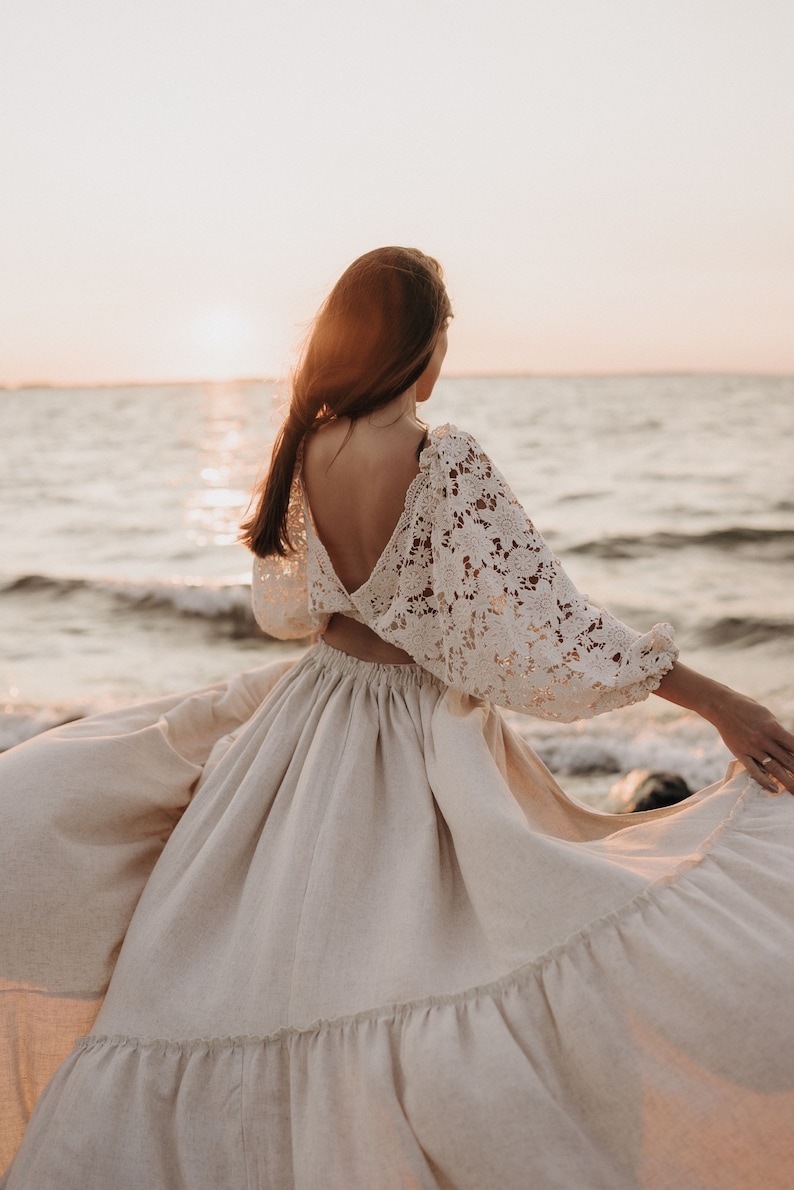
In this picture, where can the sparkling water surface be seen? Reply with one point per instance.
(667, 497)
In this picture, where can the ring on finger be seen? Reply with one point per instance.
(766, 761)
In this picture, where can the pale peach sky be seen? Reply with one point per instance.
(609, 183)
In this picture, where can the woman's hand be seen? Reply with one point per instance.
(755, 737)
(749, 730)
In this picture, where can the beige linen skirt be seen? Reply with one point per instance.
(334, 925)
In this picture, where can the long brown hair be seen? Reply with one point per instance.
(371, 340)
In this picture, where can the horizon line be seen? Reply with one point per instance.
(29, 385)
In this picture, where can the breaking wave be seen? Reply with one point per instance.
(227, 603)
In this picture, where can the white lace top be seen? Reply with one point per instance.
(472, 592)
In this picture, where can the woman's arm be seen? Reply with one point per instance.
(752, 733)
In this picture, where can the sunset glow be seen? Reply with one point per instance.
(609, 186)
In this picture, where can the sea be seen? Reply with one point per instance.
(667, 497)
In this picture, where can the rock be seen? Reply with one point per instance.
(643, 789)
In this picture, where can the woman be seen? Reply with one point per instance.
(380, 947)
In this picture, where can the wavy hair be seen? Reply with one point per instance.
(371, 340)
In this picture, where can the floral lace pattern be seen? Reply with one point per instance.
(471, 590)
(280, 585)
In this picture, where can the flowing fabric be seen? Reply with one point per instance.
(333, 924)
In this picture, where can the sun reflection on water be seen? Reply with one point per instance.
(227, 468)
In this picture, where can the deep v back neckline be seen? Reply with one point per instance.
(313, 534)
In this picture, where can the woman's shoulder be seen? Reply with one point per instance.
(449, 442)
(446, 436)
(452, 453)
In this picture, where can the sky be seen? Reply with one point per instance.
(609, 184)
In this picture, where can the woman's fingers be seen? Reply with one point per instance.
(754, 736)
(771, 771)
(781, 773)
(777, 762)
(781, 753)
(758, 771)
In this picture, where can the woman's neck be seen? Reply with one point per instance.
(402, 409)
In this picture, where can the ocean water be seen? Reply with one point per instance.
(667, 497)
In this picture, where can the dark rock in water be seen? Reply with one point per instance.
(646, 790)
(659, 789)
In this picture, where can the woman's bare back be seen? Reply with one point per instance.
(356, 479)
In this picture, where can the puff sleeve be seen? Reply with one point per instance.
(279, 584)
(500, 618)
